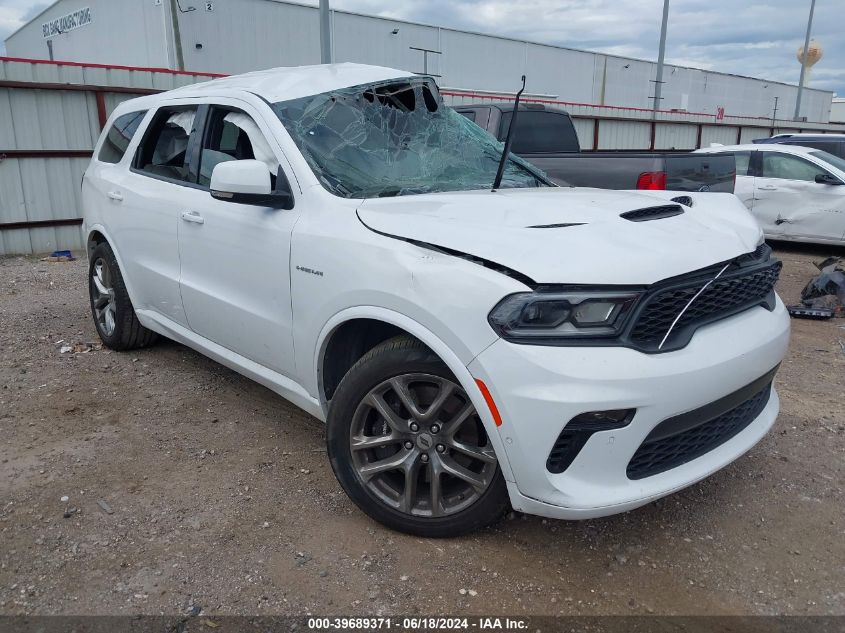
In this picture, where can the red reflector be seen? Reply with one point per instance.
(497, 418)
(654, 180)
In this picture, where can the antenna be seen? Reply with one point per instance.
(507, 149)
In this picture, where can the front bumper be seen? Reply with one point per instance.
(539, 389)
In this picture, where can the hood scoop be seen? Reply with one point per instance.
(652, 213)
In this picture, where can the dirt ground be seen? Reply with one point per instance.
(218, 494)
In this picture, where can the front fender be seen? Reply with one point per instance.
(463, 375)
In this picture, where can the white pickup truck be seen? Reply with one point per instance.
(332, 233)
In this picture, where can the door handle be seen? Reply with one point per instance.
(192, 216)
(115, 195)
(769, 188)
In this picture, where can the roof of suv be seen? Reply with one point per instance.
(282, 84)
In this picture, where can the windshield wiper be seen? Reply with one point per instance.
(507, 150)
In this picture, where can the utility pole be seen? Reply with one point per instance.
(658, 82)
(325, 33)
(775, 115)
(804, 61)
(175, 9)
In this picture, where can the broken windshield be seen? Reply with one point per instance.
(396, 138)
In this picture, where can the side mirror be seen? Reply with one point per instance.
(827, 179)
(248, 182)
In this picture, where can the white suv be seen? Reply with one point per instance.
(331, 232)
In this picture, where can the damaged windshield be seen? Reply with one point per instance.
(396, 138)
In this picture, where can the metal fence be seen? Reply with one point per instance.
(51, 114)
(639, 129)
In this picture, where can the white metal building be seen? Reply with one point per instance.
(837, 110)
(229, 36)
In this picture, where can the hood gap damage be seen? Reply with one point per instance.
(499, 268)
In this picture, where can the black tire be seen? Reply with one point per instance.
(397, 357)
(127, 333)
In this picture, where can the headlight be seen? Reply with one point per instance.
(566, 315)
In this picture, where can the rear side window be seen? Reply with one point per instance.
(540, 132)
(119, 135)
(164, 150)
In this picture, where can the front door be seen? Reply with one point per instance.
(235, 278)
(789, 202)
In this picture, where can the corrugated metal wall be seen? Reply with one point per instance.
(51, 115)
(642, 129)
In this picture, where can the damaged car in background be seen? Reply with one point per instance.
(796, 193)
(334, 233)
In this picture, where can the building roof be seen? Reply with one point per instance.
(282, 84)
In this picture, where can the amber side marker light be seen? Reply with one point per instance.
(497, 417)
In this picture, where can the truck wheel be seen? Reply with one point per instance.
(408, 447)
(114, 316)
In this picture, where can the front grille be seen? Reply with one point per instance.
(667, 447)
(731, 293)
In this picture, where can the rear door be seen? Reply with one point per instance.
(235, 278)
(145, 200)
(788, 202)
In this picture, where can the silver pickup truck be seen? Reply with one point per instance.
(546, 137)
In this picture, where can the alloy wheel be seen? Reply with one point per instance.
(418, 445)
(102, 297)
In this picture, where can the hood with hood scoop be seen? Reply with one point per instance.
(574, 236)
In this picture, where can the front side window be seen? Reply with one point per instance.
(396, 138)
(777, 165)
(233, 135)
(118, 137)
(164, 150)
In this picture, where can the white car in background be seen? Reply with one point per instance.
(333, 233)
(796, 193)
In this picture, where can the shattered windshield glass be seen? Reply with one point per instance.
(396, 138)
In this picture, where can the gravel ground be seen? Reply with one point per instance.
(218, 494)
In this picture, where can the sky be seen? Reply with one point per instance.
(745, 37)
